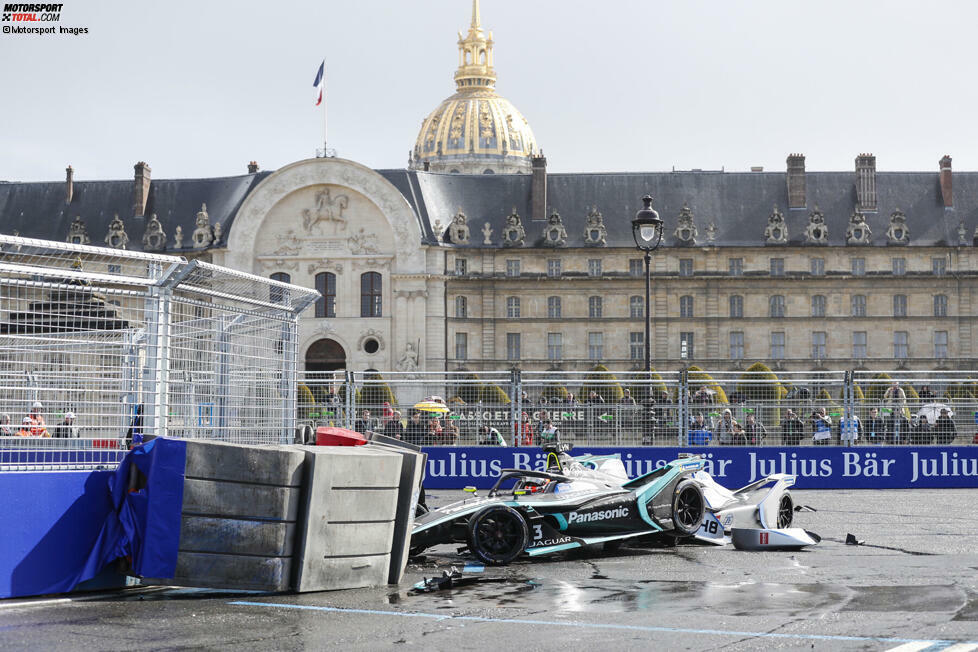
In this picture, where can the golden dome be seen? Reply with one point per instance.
(475, 130)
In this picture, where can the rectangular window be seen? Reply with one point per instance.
(686, 306)
(636, 307)
(636, 345)
(899, 266)
(939, 266)
(818, 305)
(555, 346)
(461, 266)
(901, 347)
(859, 345)
(461, 346)
(595, 346)
(818, 266)
(736, 306)
(513, 307)
(818, 345)
(685, 266)
(371, 294)
(859, 305)
(940, 305)
(736, 345)
(512, 346)
(777, 267)
(513, 267)
(326, 286)
(736, 266)
(686, 346)
(940, 344)
(594, 267)
(858, 267)
(899, 305)
(594, 307)
(553, 267)
(553, 307)
(461, 307)
(777, 345)
(115, 269)
(636, 267)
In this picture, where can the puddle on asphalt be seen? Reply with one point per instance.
(733, 599)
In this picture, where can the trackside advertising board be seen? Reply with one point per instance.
(822, 467)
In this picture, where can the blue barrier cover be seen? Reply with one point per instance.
(145, 522)
(817, 467)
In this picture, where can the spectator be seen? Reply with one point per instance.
(386, 414)
(792, 429)
(627, 398)
(894, 396)
(491, 437)
(921, 434)
(728, 431)
(450, 435)
(524, 431)
(821, 427)
(926, 393)
(898, 427)
(34, 422)
(67, 428)
(5, 429)
(755, 431)
(875, 428)
(365, 423)
(649, 422)
(394, 428)
(434, 431)
(944, 430)
(549, 433)
(703, 396)
(849, 430)
(699, 434)
(415, 433)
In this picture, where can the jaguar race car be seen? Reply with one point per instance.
(586, 500)
(541, 512)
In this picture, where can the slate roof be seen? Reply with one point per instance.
(738, 203)
(38, 210)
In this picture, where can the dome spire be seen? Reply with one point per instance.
(475, 60)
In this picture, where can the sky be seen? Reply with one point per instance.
(198, 89)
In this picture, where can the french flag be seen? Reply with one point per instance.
(320, 83)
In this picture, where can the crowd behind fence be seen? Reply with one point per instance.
(689, 408)
(100, 346)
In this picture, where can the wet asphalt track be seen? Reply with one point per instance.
(912, 586)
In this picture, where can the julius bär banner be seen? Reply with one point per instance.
(823, 467)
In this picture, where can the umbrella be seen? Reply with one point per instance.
(933, 410)
(431, 406)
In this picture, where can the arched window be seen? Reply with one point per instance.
(776, 305)
(553, 307)
(371, 297)
(940, 305)
(686, 305)
(818, 306)
(736, 306)
(461, 307)
(326, 286)
(636, 307)
(276, 294)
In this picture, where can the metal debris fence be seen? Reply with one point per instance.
(631, 409)
(135, 343)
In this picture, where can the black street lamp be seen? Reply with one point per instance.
(647, 231)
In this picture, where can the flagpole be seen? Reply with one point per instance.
(325, 133)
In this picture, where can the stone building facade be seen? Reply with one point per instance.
(443, 266)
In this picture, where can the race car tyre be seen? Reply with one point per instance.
(687, 507)
(497, 535)
(786, 510)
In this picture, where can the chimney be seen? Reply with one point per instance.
(946, 182)
(427, 166)
(140, 189)
(70, 183)
(252, 167)
(538, 188)
(796, 181)
(866, 182)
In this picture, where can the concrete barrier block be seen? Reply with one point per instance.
(271, 465)
(412, 474)
(245, 573)
(240, 500)
(236, 537)
(360, 504)
(357, 466)
(347, 539)
(345, 573)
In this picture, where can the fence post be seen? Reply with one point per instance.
(683, 425)
(516, 404)
(290, 383)
(349, 399)
(848, 401)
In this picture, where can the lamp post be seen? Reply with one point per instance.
(647, 231)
